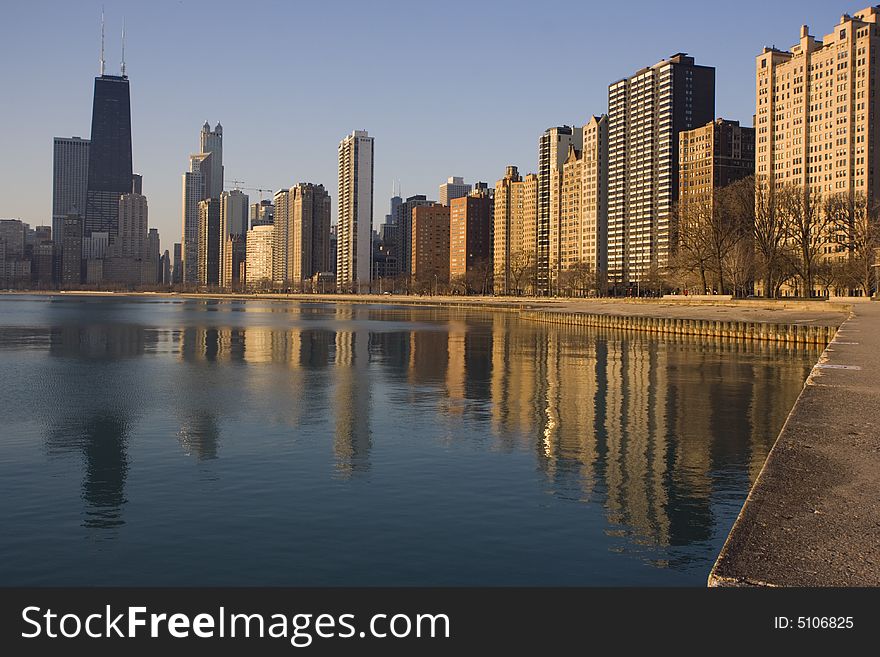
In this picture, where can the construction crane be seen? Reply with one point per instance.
(238, 185)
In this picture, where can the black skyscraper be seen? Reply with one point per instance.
(110, 173)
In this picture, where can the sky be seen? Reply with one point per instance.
(446, 88)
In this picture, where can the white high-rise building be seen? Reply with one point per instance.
(233, 221)
(258, 262)
(70, 179)
(355, 216)
(454, 187)
(211, 141)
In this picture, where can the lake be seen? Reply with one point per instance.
(169, 441)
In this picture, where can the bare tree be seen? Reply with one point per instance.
(522, 270)
(856, 234)
(693, 249)
(807, 229)
(770, 237)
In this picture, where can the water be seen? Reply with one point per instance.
(158, 441)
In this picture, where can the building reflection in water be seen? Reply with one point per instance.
(93, 420)
(645, 427)
(352, 402)
(199, 435)
(651, 430)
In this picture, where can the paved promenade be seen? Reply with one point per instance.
(813, 516)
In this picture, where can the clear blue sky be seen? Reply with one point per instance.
(447, 88)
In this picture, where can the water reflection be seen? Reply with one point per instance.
(654, 432)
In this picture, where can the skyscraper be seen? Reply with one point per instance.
(553, 149)
(194, 191)
(211, 141)
(70, 178)
(355, 214)
(454, 187)
(646, 113)
(302, 234)
(233, 221)
(177, 269)
(209, 242)
(110, 168)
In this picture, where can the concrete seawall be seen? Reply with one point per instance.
(812, 517)
(796, 334)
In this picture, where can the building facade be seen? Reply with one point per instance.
(646, 113)
(355, 212)
(454, 187)
(233, 221)
(470, 232)
(578, 238)
(195, 190)
(209, 242)
(110, 167)
(713, 156)
(71, 250)
(258, 260)
(211, 142)
(553, 150)
(302, 234)
(816, 117)
(70, 178)
(430, 245)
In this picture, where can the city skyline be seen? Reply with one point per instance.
(160, 154)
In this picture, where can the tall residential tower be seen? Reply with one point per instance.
(646, 113)
(355, 214)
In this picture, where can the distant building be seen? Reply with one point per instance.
(151, 272)
(110, 169)
(355, 216)
(258, 261)
(70, 178)
(209, 242)
(404, 228)
(177, 269)
(233, 221)
(137, 183)
(454, 187)
(262, 213)
(165, 268)
(15, 269)
(430, 245)
(196, 188)
(211, 141)
(469, 234)
(302, 234)
(127, 253)
(234, 262)
(71, 250)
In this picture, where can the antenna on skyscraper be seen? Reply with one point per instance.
(123, 47)
(102, 40)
